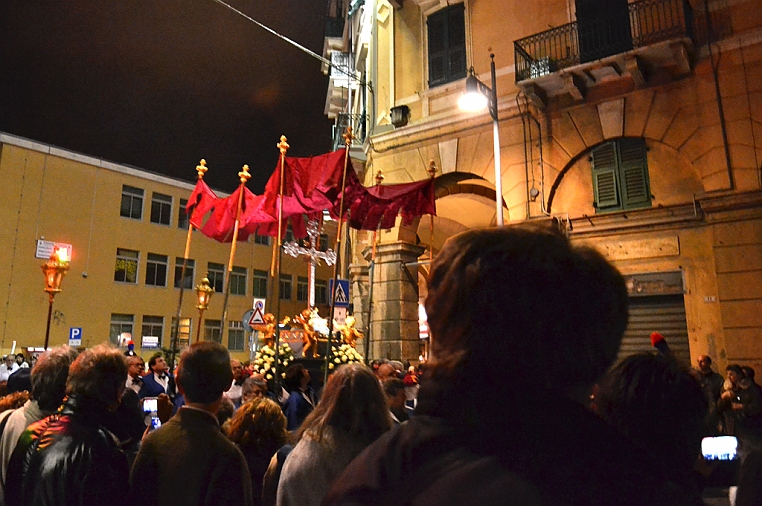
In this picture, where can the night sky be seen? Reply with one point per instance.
(161, 84)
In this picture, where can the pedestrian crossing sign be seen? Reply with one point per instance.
(341, 293)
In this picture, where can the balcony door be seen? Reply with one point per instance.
(603, 28)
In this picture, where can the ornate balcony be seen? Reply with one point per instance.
(564, 65)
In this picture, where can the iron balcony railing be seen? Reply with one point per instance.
(645, 23)
(358, 123)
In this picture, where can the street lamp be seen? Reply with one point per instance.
(478, 96)
(204, 293)
(54, 270)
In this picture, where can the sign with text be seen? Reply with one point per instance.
(75, 337)
(46, 248)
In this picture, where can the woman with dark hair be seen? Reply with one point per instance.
(660, 406)
(259, 430)
(351, 415)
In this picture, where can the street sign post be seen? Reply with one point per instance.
(75, 337)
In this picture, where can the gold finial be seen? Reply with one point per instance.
(379, 177)
(283, 145)
(201, 168)
(432, 170)
(244, 174)
(348, 136)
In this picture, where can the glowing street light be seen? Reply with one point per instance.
(477, 97)
(204, 293)
(54, 270)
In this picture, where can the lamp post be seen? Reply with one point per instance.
(204, 293)
(54, 270)
(478, 96)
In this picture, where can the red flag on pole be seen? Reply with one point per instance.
(200, 202)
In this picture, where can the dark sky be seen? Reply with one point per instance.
(160, 84)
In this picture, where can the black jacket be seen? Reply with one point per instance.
(68, 458)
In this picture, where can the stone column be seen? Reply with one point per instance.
(358, 280)
(394, 311)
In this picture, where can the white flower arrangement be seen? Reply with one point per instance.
(264, 360)
(344, 354)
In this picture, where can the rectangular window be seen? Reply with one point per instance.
(183, 332)
(620, 175)
(447, 45)
(156, 270)
(153, 326)
(260, 284)
(126, 269)
(238, 281)
(261, 239)
(186, 280)
(182, 217)
(121, 328)
(323, 242)
(161, 208)
(321, 292)
(132, 202)
(302, 289)
(285, 286)
(289, 235)
(236, 336)
(216, 275)
(213, 331)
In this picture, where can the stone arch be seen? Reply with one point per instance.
(673, 179)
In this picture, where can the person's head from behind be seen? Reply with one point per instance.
(748, 372)
(253, 387)
(297, 377)
(204, 372)
(97, 376)
(394, 388)
(352, 403)
(657, 404)
(259, 423)
(49, 377)
(505, 303)
(157, 364)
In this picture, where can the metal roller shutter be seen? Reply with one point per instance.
(662, 313)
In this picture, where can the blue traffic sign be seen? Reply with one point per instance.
(341, 294)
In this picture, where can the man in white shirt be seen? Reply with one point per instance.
(8, 367)
(135, 370)
(235, 392)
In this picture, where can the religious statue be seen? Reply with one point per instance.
(309, 337)
(349, 333)
(268, 328)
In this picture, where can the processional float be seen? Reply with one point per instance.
(301, 188)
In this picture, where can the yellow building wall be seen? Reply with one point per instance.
(64, 197)
(718, 210)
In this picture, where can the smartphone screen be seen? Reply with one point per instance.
(155, 422)
(150, 405)
(719, 448)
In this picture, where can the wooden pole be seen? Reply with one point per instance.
(347, 142)
(243, 176)
(200, 170)
(276, 261)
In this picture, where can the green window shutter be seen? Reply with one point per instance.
(456, 41)
(634, 173)
(447, 45)
(437, 28)
(605, 184)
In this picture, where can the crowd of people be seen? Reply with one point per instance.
(521, 403)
